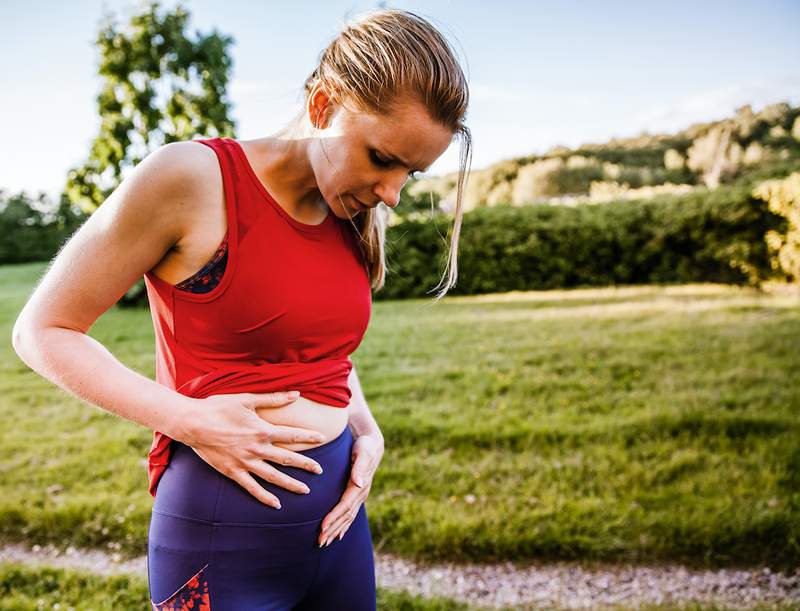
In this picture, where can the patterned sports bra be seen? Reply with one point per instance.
(205, 279)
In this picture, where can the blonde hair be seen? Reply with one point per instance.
(378, 61)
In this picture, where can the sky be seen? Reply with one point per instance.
(541, 74)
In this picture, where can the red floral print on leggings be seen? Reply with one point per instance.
(192, 596)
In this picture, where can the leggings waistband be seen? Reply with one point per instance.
(191, 488)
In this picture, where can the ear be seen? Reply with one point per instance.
(320, 108)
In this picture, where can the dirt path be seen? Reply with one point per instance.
(496, 585)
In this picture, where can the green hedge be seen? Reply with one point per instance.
(34, 230)
(706, 236)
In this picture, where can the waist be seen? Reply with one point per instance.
(305, 413)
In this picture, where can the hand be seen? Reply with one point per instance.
(365, 456)
(227, 433)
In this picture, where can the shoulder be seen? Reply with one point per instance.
(185, 162)
(190, 174)
(168, 195)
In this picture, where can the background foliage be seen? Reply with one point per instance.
(158, 85)
(675, 208)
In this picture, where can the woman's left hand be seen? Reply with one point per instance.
(365, 456)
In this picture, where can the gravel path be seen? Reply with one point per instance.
(550, 586)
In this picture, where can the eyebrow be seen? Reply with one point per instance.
(396, 159)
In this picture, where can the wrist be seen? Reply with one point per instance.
(182, 424)
(372, 432)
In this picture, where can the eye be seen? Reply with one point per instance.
(379, 161)
(385, 163)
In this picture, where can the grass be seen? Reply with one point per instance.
(638, 424)
(24, 588)
(30, 588)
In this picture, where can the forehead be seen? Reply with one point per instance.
(408, 132)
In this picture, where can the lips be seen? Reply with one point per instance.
(361, 205)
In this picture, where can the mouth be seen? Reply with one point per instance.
(361, 206)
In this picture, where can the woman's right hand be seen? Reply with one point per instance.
(227, 433)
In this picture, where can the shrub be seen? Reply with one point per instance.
(716, 236)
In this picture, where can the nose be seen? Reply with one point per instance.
(388, 189)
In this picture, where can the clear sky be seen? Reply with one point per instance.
(541, 73)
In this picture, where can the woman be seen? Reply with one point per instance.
(259, 258)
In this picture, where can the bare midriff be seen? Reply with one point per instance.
(306, 414)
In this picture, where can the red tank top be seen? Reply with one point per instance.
(293, 303)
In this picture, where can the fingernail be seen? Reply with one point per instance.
(293, 394)
(318, 470)
(340, 536)
(305, 490)
(277, 505)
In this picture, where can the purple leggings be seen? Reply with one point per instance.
(213, 546)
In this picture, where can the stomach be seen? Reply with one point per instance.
(307, 414)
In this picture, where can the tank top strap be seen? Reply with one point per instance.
(241, 200)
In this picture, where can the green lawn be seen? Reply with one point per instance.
(638, 424)
(24, 588)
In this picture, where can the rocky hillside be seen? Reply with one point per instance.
(766, 143)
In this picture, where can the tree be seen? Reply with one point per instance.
(34, 229)
(159, 85)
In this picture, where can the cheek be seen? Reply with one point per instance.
(340, 172)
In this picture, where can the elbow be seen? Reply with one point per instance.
(22, 337)
(18, 337)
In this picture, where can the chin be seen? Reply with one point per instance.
(342, 212)
(344, 208)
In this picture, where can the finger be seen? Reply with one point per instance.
(270, 399)
(271, 474)
(246, 481)
(288, 458)
(358, 472)
(344, 529)
(289, 434)
(331, 535)
(326, 537)
(345, 517)
(342, 522)
(363, 468)
(349, 498)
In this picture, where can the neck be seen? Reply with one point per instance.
(283, 165)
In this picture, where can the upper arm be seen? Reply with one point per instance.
(125, 237)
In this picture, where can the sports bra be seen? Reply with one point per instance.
(280, 306)
(208, 276)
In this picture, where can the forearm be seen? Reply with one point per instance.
(360, 420)
(84, 367)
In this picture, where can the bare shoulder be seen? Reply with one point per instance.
(164, 186)
(191, 167)
(194, 203)
(190, 157)
(160, 204)
(171, 192)
(200, 206)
